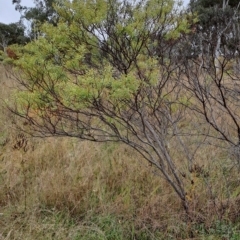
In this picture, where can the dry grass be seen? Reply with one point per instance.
(61, 188)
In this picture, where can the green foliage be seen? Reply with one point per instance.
(209, 4)
(41, 12)
(213, 12)
(50, 63)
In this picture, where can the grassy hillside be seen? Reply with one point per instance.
(64, 188)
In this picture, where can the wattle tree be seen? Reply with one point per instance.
(96, 75)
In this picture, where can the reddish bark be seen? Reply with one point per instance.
(11, 53)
